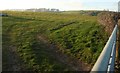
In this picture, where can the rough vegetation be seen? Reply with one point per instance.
(119, 39)
(108, 20)
(77, 36)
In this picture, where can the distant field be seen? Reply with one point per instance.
(76, 35)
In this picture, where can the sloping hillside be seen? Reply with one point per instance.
(108, 20)
(43, 40)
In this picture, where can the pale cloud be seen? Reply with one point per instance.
(99, 0)
(60, 4)
(23, 4)
(73, 5)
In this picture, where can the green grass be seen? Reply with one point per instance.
(76, 35)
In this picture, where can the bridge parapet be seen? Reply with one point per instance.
(106, 60)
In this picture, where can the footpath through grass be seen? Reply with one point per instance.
(76, 35)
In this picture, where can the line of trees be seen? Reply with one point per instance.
(43, 10)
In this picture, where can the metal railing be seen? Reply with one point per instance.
(106, 60)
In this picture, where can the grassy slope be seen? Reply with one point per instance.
(77, 35)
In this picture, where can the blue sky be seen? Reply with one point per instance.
(60, 4)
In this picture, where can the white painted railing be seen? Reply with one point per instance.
(106, 60)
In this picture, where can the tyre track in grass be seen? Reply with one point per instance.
(72, 63)
(10, 57)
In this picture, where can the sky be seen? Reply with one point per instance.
(60, 4)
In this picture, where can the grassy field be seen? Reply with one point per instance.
(76, 35)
